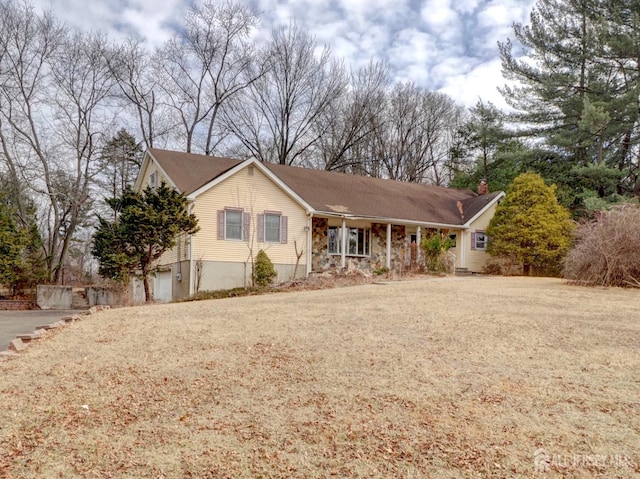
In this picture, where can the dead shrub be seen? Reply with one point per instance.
(502, 266)
(607, 249)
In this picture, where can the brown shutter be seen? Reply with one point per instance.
(260, 228)
(284, 229)
(246, 226)
(473, 241)
(220, 224)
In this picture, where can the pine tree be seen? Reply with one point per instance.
(530, 227)
(11, 245)
(119, 163)
(577, 85)
(147, 225)
(21, 260)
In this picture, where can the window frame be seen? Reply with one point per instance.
(277, 230)
(362, 236)
(153, 180)
(480, 245)
(226, 224)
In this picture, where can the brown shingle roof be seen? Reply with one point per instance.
(364, 196)
(332, 192)
(190, 171)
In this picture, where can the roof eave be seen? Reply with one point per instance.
(384, 219)
(497, 198)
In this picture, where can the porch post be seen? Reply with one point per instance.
(343, 239)
(309, 243)
(418, 248)
(463, 249)
(388, 262)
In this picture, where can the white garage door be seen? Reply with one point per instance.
(162, 286)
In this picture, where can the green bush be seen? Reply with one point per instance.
(435, 249)
(263, 271)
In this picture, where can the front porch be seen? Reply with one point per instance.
(339, 243)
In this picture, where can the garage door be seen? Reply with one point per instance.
(162, 286)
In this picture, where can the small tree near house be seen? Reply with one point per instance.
(530, 227)
(146, 225)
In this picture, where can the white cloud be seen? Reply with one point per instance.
(480, 81)
(440, 44)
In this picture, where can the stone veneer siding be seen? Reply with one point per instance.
(323, 261)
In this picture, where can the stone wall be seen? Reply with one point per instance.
(322, 261)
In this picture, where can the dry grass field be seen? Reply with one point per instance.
(437, 378)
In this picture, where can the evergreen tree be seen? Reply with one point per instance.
(576, 85)
(119, 163)
(530, 227)
(147, 225)
(11, 245)
(21, 260)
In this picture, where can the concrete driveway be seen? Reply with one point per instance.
(13, 323)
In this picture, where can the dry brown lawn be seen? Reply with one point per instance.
(437, 378)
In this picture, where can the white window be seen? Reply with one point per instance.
(272, 228)
(480, 240)
(233, 224)
(153, 180)
(358, 241)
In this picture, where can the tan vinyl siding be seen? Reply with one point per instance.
(476, 259)
(148, 169)
(255, 193)
(180, 252)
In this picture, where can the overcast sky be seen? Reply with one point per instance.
(444, 45)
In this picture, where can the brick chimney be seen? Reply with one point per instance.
(483, 187)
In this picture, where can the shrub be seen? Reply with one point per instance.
(501, 266)
(530, 227)
(435, 249)
(263, 271)
(607, 249)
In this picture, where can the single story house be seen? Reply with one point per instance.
(306, 220)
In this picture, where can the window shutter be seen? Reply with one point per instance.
(473, 241)
(220, 224)
(284, 229)
(260, 228)
(246, 225)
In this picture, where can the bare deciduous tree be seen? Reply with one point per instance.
(130, 66)
(53, 91)
(348, 122)
(412, 139)
(205, 65)
(278, 118)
